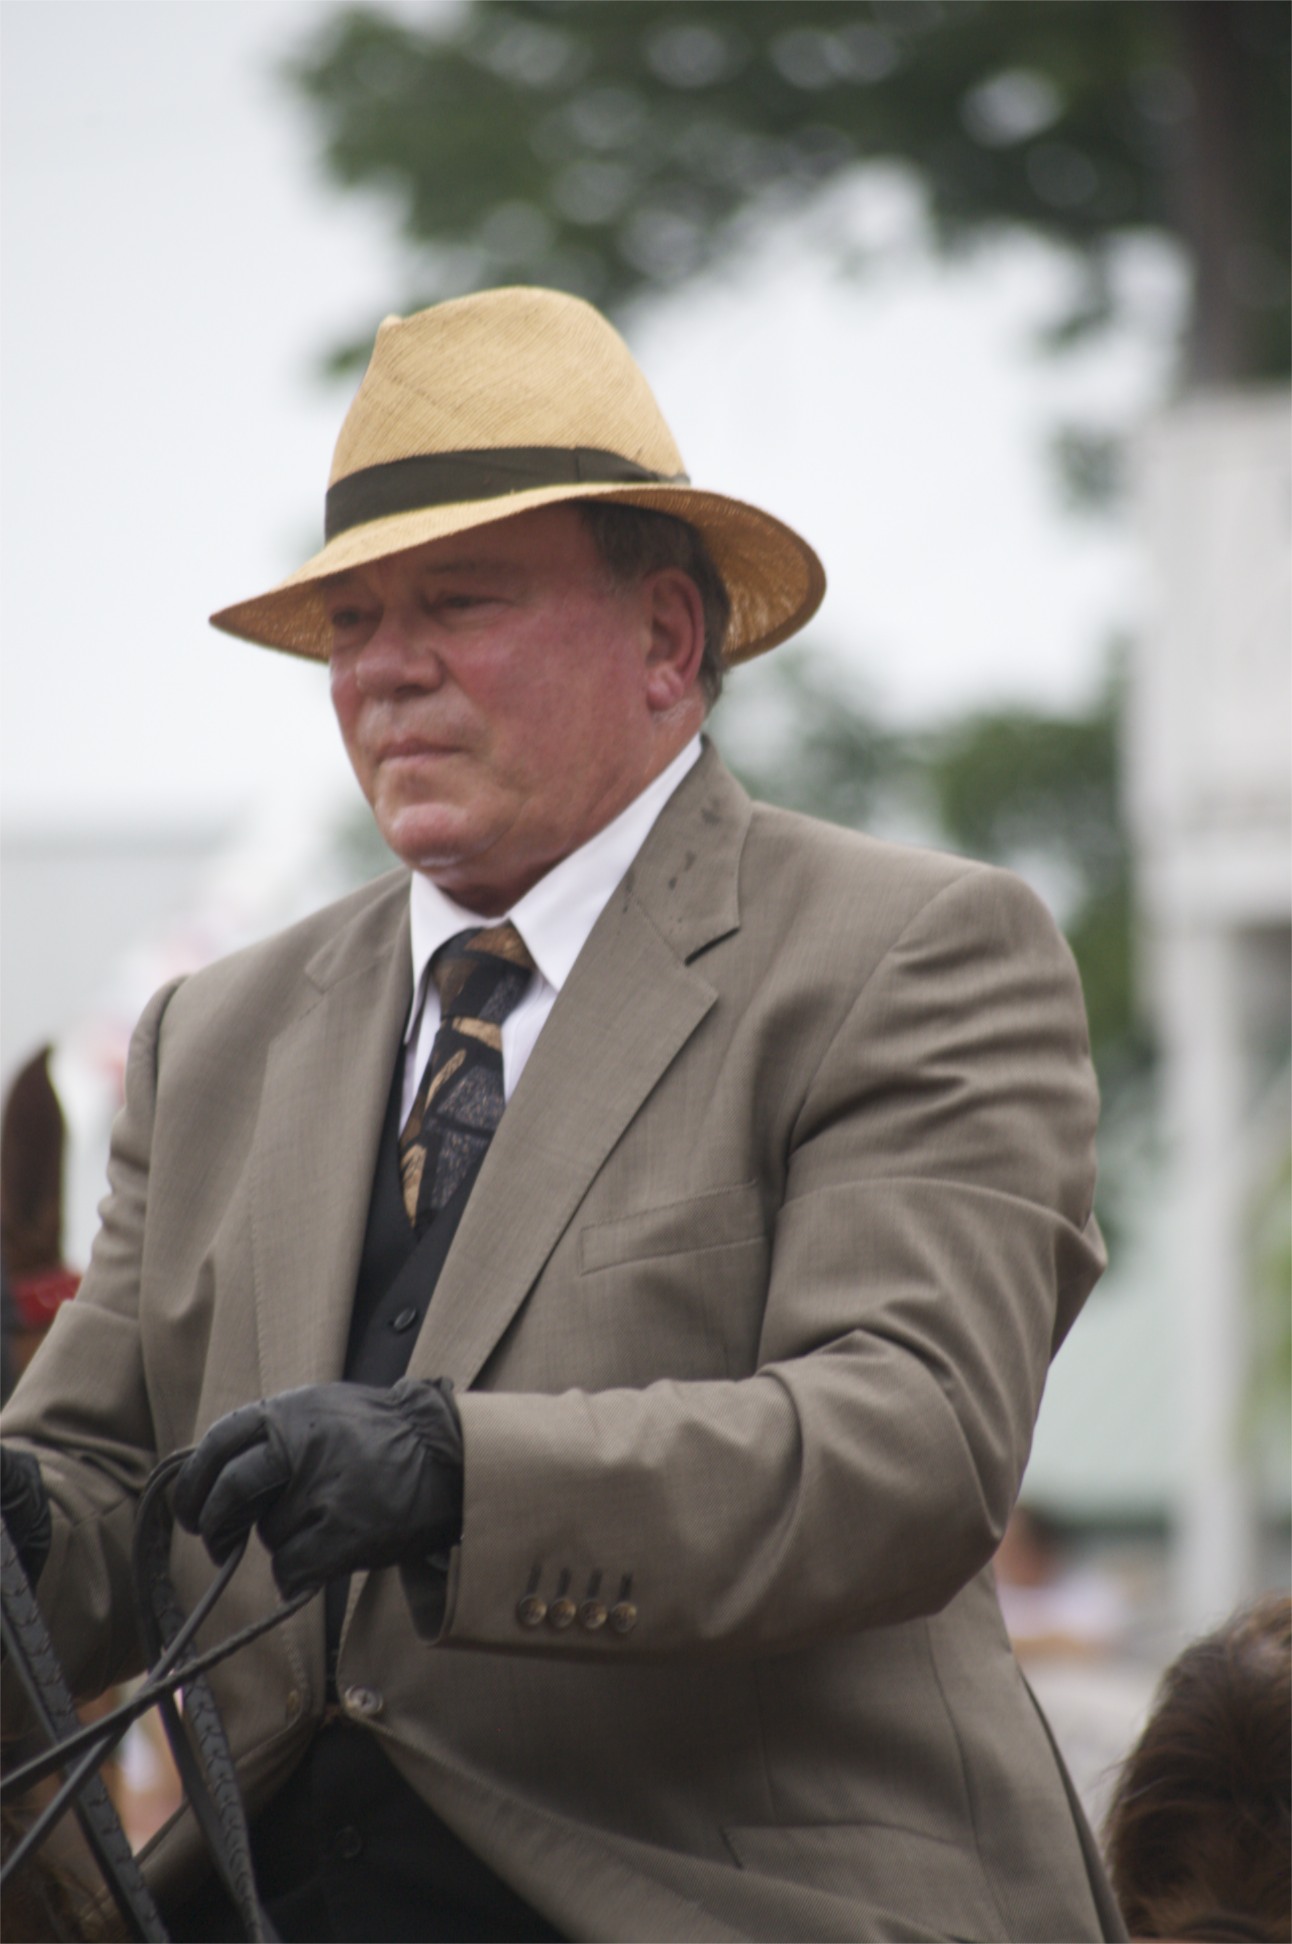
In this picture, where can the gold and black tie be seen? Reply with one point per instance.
(481, 976)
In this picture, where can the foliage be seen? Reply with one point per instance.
(619, 148)
(829, 756)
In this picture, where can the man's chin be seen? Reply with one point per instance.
(428, 841)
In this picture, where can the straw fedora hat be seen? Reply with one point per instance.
(492, 405)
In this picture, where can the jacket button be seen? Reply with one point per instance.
(531, 1611)
(623, 1617)
(348, 1842)
(294, 1704)
(561, 1613)
(364, 1703)
(592, 1615)
(404, 1321)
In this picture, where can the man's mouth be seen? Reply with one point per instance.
(412, 748)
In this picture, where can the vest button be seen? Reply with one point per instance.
(404, 1321)
(364, 1703)
(623, 1617)
(348, 1842)
(561, 1614)
(531, 1611)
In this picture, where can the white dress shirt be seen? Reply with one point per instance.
(554, 918)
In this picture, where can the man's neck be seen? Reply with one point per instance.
(493, 897)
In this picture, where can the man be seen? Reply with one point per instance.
(653, 1436)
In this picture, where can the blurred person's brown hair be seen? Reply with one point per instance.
(1199, 1834)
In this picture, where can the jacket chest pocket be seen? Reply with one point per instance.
(684, 1283)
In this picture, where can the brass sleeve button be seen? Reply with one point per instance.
(531, 1611)
(592, 1615)
(623, 1617)
(561, 1613)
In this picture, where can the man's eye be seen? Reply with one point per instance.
(343, 619)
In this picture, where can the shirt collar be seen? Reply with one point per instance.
(555, 915)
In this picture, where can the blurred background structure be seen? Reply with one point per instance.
(989, 297)
(1209, 767)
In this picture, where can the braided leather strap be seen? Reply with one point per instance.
(28, 1646)
(78, 1749)
(211, 1785)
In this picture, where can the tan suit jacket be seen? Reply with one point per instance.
(750, 1314)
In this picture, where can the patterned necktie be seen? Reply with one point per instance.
(481, 976)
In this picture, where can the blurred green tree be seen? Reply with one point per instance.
(617, 149)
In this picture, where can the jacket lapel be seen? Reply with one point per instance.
(327, 1079)
(629, 1006)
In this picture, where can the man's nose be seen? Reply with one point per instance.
(396, 656)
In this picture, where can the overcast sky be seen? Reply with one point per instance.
(174, 265)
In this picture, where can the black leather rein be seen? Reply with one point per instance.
(204, 1761)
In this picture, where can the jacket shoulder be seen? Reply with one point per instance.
(315, 951)
(801, 875)
(820, 863)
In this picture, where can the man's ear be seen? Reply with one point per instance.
(675, 616)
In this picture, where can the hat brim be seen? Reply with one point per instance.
(774, 578)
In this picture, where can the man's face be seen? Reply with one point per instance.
(497, 699)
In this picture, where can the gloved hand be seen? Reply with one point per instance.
(337, 1478)
(24, 1506)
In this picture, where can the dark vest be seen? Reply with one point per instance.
(398, 1273)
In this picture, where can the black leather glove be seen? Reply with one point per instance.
(24, 1505)
(337, 1478)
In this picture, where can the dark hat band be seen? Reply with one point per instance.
(453, 478)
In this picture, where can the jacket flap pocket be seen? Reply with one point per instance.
(711, 1221)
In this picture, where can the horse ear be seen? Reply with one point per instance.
(31, 1172)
